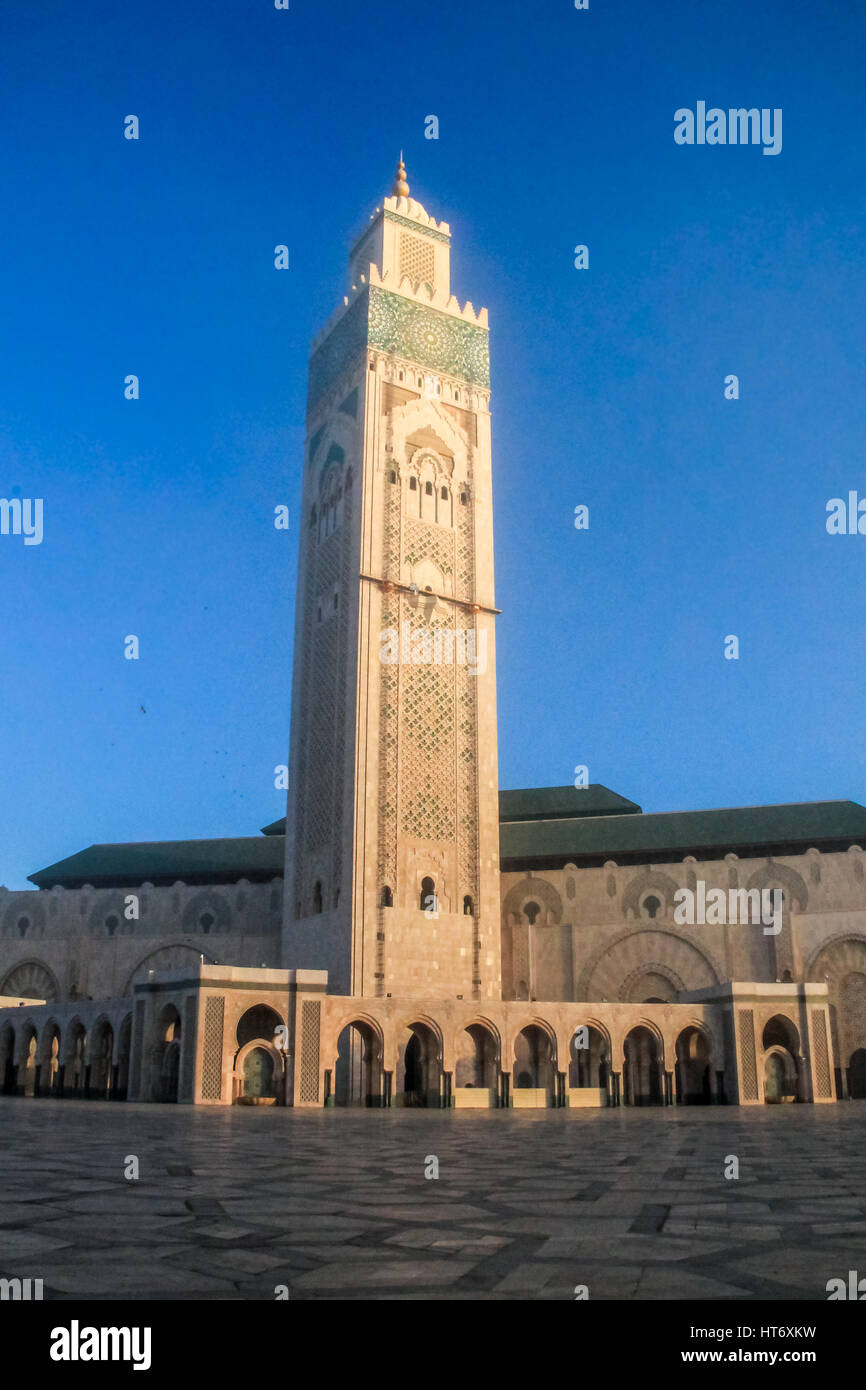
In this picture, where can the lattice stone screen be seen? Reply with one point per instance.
(416, 259)
(310, 1013)
(212, 1061)
(820, 1055)
(188, 1046)
(748, 1068)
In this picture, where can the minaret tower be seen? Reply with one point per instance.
(392, 836)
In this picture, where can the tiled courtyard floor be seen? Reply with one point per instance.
(335, 1204)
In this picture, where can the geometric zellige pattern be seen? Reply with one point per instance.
(310, 1011)
(427, 752)
(212, 1059)
(748, 1067)
(820, 1055)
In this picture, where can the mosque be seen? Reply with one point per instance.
(409, 934)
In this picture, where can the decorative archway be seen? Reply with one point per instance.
(49, 1058)
(165, 1057)
(780, 1076)
(7, 1059)
(535, 1059)
(857, 1074)
(259, 1070)
(259, 1074)
(589, 1054)
(101, 1057)
(693, 1078)
(643, 1067)
(782, 1060)
(74, 1067)
(419, 1066)
(477, 1053)
(30, 979)
(840, 963)
(29, 1064)
(358, 1074)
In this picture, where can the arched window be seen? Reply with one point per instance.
(531, 910)
(468, 909)
(111, 925)
(428, 895)
(393, 477)
(653, 906)
(317, 897)
(444, 494)
(23, 924)
(428, 489)
(413, 484)
(464, 498)
(387, 897)
(206, 921)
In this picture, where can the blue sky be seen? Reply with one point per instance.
(707, 516)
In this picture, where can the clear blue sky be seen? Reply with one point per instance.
(556, 128)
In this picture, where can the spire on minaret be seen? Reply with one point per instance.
(400, 188)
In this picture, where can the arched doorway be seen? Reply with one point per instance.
(421, 1067)
(259, 1065)
(259, 1075)
(49, 1078)
(30, 1063)
(477, 1063)
(779, 1079)
(166, 1056)
(857, 1074)
(73, 1078)
(7, 1059)
(642, 1068)
(588, 1059)
(782, 1069)
(102, 1050)
(358, 1072)
(693, 1068)
(534, 1060)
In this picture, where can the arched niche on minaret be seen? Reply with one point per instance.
(424, 423)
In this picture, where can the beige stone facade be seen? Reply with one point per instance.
(437, 942)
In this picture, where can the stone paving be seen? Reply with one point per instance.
(232, 1202)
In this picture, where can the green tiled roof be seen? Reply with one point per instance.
(557, 803)
(541, 803)
(540, 827)
(673, 834)
(159, 862)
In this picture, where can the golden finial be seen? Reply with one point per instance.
(401, 187)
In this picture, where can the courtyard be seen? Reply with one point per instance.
(231, 1203)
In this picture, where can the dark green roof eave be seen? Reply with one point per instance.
(558, 803)
(276, 827)
(656, 837)
(163, 862)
